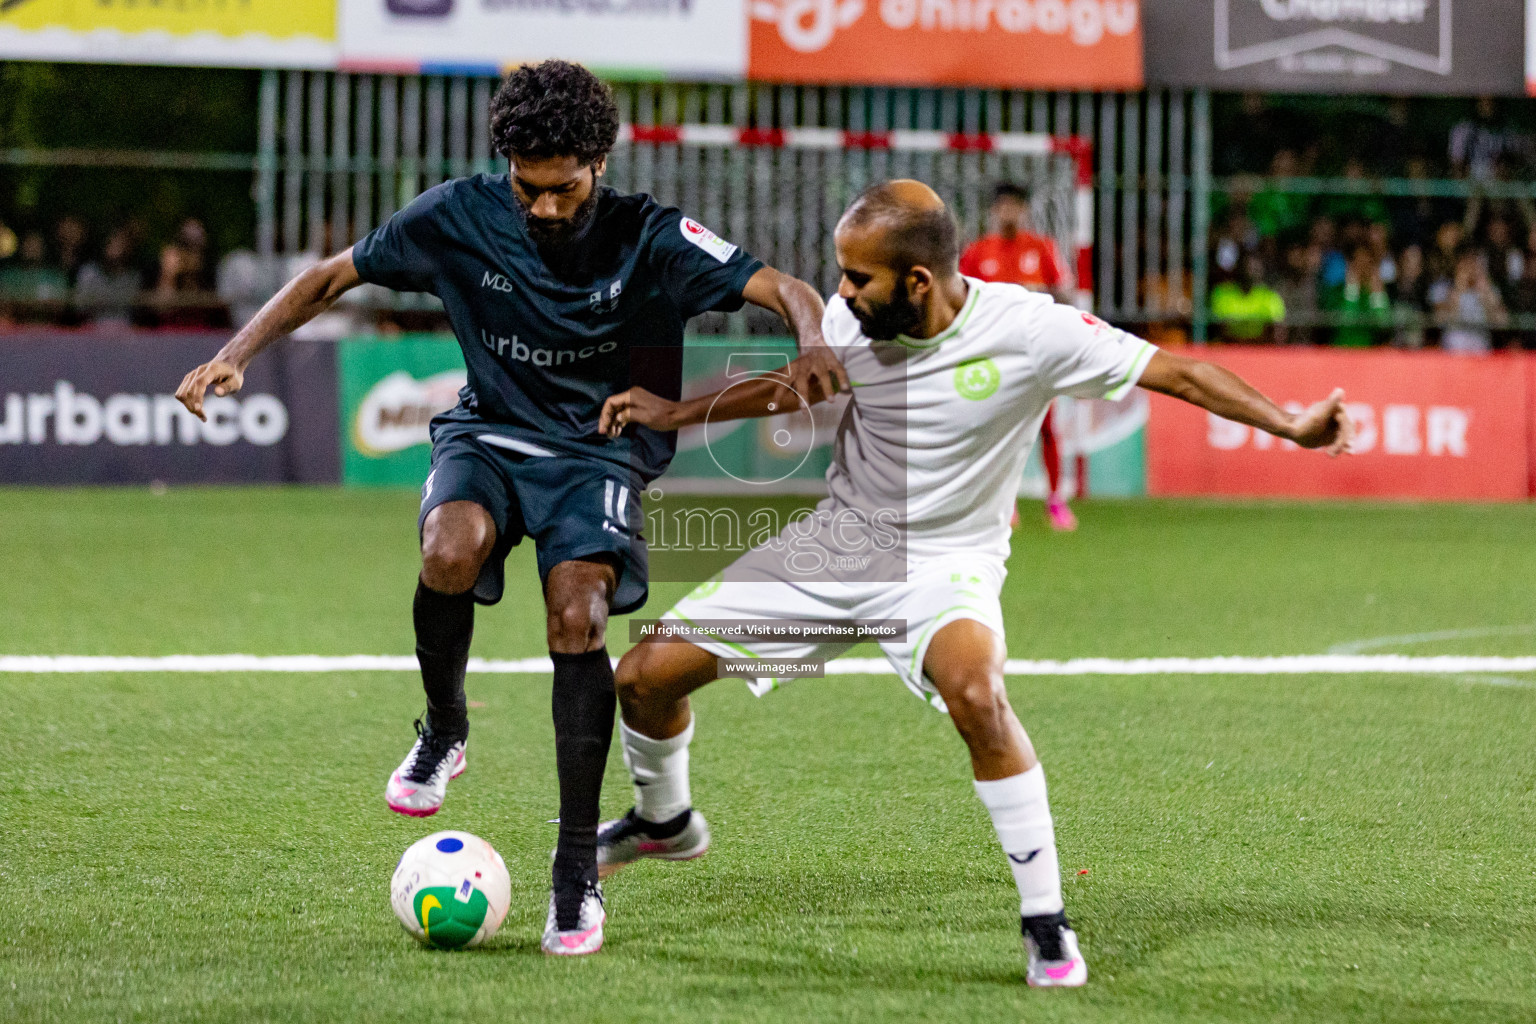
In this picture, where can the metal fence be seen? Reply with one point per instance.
(340, 152)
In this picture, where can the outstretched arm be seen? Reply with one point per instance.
(765, 396)
(1325, 425)
(797, 302)
(300, 301)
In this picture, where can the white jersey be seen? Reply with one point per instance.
(939, 428)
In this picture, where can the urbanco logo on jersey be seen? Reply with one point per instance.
(808, 26)
(521, 352)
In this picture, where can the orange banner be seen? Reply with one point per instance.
(1431, 426)
(1021, 44)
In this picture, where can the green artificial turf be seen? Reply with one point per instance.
(216, 848)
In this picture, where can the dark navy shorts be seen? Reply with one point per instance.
(572, 506)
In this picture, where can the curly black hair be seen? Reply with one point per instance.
(554, 109)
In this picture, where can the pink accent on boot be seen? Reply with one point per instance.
(1061, 517)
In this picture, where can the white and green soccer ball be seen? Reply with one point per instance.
(451, 890)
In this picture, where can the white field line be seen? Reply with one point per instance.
(1307, 664)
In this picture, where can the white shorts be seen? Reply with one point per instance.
(936, 593)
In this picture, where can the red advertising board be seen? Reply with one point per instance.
(1018, 44)
(1430, 426)
(1530, 411)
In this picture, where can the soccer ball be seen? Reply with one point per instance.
(451, 890)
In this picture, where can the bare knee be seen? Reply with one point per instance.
(638, 681)
(979, 707)
(453, 548)
(577, 624)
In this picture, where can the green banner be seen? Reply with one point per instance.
(390, 390)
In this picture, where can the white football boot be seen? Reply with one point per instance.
(418, 786)
(1054, 959)
(587, 936)
(628, 839)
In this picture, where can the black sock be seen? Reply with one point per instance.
(583, 705)
(1045, 929)
(444, 625)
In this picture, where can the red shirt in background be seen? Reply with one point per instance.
(1030, 260)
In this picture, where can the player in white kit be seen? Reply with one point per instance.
(951, 378)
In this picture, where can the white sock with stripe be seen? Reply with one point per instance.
(1022, 817)
(659, 769)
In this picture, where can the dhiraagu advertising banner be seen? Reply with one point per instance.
(390, 390)
(232, 33)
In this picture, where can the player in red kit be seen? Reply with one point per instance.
(1015, 255)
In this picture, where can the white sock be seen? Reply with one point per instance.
(659, 769)
(1022, 817)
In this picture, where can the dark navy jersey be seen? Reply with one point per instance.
(545, 347)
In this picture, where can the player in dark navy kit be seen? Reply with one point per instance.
(557, 290)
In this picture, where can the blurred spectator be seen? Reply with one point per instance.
(1477, 144)
(1471, 307)
(1361, 302)
(1440, 262)
(245, 283)
(1410, 299)
(1274, 210)
(351, 314)
(1245, 308)
(1233, 237)
(1364, 206)
(1523, 302)
(1506, 260)
(1331, 265)
(1379, 239)
(1298, 288)
(69, 237)
(1388, 140)
(184, 290)
(108, 289)
(32, 289)
(1415, 220)
(1012, 252)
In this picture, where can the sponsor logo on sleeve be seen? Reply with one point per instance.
(706, 239)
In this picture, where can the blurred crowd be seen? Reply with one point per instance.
(1306, 246)
(115, 278)
(1356, 269)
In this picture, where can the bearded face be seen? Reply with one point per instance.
(556, 233)
(885, 320)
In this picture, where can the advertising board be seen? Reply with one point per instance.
(78, 409)
(1431, 426)
(248, 33)
(1018, 44)
(1410, 47)
(647, 39)
(389, 392)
